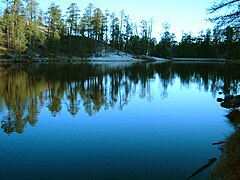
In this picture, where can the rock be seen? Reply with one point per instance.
(234, 117)
(235, 102)
(230, 101)
(237, 97)
(228, 97)
(226, 104)
(219, 99)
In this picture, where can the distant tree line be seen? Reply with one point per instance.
(25, 27)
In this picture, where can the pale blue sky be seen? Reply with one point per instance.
(183, 15)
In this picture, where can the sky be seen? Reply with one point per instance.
(182, 15)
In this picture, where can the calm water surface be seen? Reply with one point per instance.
(96, 121)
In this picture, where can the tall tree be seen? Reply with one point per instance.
(106, 28)
(7, 22)
(228, 42)
(73, 13)
(1, 32)
(20, 40)
(114, 30)
(87, 20)
(226, 13)
(54, 15)
(128, 31)
(98, 21)
(120, 44)
(72, 21)
(55, 23)
(18, 31)
(166, 42)
(32, 21)
(144, 38)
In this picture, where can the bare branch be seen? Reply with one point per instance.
(230, 17)
(223, 4)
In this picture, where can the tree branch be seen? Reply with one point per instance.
(221, 5)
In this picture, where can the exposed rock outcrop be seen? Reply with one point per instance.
(230, 101)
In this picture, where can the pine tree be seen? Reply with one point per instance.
(20, 40)
(166, 42)
(18, 31)
(114, 30)
(54, 15)
(56, 42)
(55, 24)
(72, 21)
(106, 29)
(83, 26)
(121, 31)
(7, 22)
(1, 32)
(144, 38)
(32, 22)
(98, 21)
(128, 31)
(73, 18)
(87, 20)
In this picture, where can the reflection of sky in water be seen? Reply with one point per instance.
(162, 136)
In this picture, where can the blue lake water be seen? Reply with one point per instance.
(98, 121)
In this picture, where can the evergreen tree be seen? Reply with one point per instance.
(73, 18)
(72, 22)
(18, 31)
(55, 24)
(56, 43)
(33, 24)
(144, 38)
(120, 44)
(1, 32)
(228, 41)
(54, 15)
(98, 21)
(7, 22)
(207, 44)
(83, 26)
(216, 41)
(166, 42)
(135, 45)
(106, 28)
(128, 31)
(114, 30)
(87, 20)
(20, 40)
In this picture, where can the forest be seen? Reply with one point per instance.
(26, 29)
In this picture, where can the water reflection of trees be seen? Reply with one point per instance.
(24, 91)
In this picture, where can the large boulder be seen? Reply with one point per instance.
(231, 101)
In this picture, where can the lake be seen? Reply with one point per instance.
(105, 121)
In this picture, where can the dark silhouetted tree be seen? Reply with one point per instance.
(226, 13)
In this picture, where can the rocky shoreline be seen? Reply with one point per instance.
(37, 58)
(230, 101)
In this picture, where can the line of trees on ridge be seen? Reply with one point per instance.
(24, 27)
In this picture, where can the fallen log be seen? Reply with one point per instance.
(210, 162)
